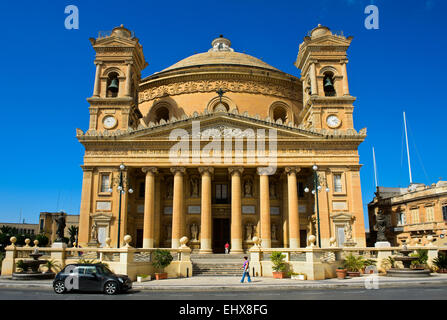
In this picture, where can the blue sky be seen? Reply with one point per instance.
(48, 73)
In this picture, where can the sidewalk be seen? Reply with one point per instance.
(204, 283)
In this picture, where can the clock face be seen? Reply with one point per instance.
(333, 121)
(109, 122)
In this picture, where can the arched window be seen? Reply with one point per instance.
(113, 85)
(221, 107)
(280, 112)
(329, 85)
(162, 113)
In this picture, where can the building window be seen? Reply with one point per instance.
(105, 183)
(300, 190)
(113, 85)
(162, 113)
(328, 85)
(338, 187)
(401, 219)
(429, 214)
(142, 190)
(444, 212)
(221, 193)
(415, 215)
(41, 225)
(280, 113)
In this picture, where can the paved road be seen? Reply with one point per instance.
(409, 293)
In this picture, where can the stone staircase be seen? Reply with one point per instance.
(217, 264)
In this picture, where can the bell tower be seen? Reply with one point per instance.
(119, 61)
(322, 60)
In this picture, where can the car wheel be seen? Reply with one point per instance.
(111, 288)
(59, 287)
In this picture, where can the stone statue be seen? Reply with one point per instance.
(169, 189)
(348, 232)
(380, 226)
(194, 232)
(272, 190)
(274, 232)
(194, 187)
(94, 232)
(248, 231)
(248, 189)
(60, 221)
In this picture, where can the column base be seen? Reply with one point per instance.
(205, 251)
(236, 251)
(294, 244)
(148, 243)
(266, 243)
(175, 243)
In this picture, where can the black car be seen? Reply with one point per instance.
(90, 277)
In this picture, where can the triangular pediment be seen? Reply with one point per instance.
(225, 124)
(331, 40)
(114, 42)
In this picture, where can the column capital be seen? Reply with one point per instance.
(265, 171)
(234, 170)
(87, 169)
(180, 170)
(147, 170)
(204, 170)
(290, 170)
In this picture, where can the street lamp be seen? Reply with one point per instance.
(317, 187)
(122, 187)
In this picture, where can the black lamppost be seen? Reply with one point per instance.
(316, 187)
(123, 187)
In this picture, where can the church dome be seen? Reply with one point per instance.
(221, 53)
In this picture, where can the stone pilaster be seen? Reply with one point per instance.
(294, 218)
(206, 217)
(236, 210)
(177, 206)
(266, 232)
(149, 208)
(86, 206)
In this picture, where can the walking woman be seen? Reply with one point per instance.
(246, 268)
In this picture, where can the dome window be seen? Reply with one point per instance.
(162, 113)
(280, 113)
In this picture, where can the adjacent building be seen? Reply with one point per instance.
(221, 147)
(47, 224)
(412, 213)
(23, 228)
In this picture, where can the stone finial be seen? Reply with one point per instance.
(312, 240)
(13, 241)
(256, 241)
(127, 239)
(36, 243)
(108, 242)
(183, 242)
(27, 242)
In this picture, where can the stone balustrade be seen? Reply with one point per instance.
(125, 260)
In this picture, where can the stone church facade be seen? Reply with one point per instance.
(221, 147)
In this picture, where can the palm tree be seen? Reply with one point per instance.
(73, 231)
(6, 229)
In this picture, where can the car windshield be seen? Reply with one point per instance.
(105, 270)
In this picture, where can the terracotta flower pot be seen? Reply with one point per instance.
(278, 275)
(161, 276)
(353, 273)
(341, 273)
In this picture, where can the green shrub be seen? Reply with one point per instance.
(422, 257)
(440, 261)
(388, 263)
(161, 259)
(278, 263)
(43, 240)
(354, 263)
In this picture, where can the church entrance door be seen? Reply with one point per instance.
(221, 234)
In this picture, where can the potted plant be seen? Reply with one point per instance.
(279, 266)
(50, 265)
(341, 273)
(368, 263)
(160, 260)
(143, 278)
(440, 263)
(353, 264)
(421, 262)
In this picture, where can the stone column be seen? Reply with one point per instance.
(236, 210)
(157, 206)
(177, 206)
(129, 79)
(266, 230)
(97, 85)
(285, 213)
(313, 79)
(86, 206)
(294, 216)
(149, 208)
(345, 80)
(205, 209)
